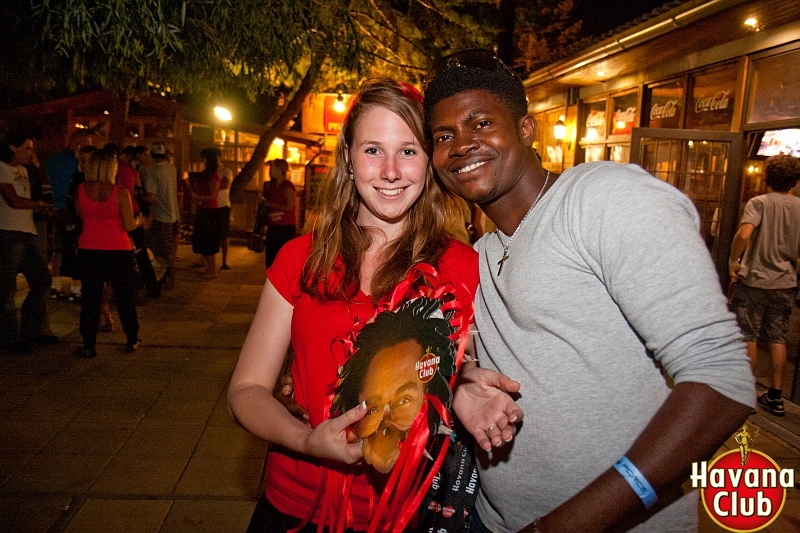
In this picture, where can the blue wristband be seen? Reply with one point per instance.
(637, 481)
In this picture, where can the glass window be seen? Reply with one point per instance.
(553, 148)
(132, 130)
(666, 104)
(595, 123)
(711, 104)
(157, 131)
(619, 153)
(624, 117)
(773, 94)
(594, 153)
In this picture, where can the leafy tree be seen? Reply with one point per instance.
(259, 46)
(545, 32)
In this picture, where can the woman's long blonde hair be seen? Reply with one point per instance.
(102, 167)
(339, 243)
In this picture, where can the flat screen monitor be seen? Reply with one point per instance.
(775, 142)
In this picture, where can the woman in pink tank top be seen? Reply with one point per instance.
(105, 251)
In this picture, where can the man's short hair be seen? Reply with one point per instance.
(781, 172)
(281, 164)
(211, 151)
(499, 81)
(87, 149)
(130, 151)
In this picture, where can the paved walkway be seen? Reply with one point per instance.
(135, 442)
(143, 442)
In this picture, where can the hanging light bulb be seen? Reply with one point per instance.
(222, 113)
(338, 105)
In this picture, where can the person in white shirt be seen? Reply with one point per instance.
(20, 251)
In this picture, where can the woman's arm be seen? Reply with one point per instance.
(288, 197)
(250, 393)
(129, 222)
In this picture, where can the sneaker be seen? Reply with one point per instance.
(225, 267)
(134, 346)
(84, 353)
(774, 407)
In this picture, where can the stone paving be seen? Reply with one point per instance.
(143, 442)
(135, 442)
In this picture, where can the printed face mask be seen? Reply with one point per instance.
(394, 389)
(397, 361)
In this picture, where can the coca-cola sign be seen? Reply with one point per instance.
(717, 102)
(596, 119)
(624, 120)
(666, 110)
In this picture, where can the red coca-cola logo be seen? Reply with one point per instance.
(435, 506)
(448, 511)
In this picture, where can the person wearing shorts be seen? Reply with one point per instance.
(763, 263)
(160, 180)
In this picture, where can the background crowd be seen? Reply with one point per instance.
(100, 226)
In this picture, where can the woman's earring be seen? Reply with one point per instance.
(352, 177)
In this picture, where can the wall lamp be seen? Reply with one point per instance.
(560, 131)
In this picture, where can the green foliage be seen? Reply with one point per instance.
(545, 32)
(208, 46)
(196, 45)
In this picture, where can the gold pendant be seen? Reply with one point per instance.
(501, 262)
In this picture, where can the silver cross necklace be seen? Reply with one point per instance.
(507, 244)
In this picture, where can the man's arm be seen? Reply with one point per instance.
(674, 304)
(15, 201)
(691, 425)
(738, 247)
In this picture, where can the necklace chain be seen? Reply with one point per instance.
(521, 222)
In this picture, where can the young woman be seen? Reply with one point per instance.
(383, 214)
(206, 230)
(105, 252)
(278, 197)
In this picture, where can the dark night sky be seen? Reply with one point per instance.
(600, 16)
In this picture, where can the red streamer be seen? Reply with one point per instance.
(409, 479)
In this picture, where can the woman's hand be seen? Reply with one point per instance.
(329, 439)
(484, 406)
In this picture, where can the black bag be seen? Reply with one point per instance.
(451, 497)
(256, 242)
(262, 222)
(70, 265)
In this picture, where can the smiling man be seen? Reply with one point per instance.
(595, 286)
